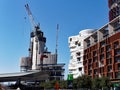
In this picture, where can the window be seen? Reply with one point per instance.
(117, 51)
(90, 61)
(94, 59)
(108, 55)
(76, 42)
(116, 44)
(95, 38)
(116, 25)
(102, 57)
(90, 67)
(80, 69)
(105, 33)
(109, 61)
(109, 68)
(118, 66)
(102, 50)
(108, 48)
(78, 53)
(58, 78)
(117, 75)
(95, 71)
(79, 59)
(117, 59)
(88, 43)
(70, 39)
(109, 75)
(102, 43)
(58, 73)
(94, 53)
(89, 72)
(79, 44)
(101, 70)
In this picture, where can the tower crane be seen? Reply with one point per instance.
(33, 24)
(37, 42)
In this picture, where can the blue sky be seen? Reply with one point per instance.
(71, 15)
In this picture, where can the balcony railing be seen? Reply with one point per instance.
(117, 52)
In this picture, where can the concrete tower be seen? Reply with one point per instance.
(37, 47)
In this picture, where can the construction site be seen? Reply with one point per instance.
(39, 66)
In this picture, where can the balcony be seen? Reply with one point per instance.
(105, 34)
(102, 50)
(78, 58)
(95, 40)
(117, 59)
(90, 61)
(109, 68)
(90, 67)
(78, 54)
(118, 66)
(102, 44)
(109, 61)
(90, 72)
(94, 53)
(108, 48)
(95, 71)
(117, 28)
(88, 44)
(102, 57)
(116, 45)
(117, 75)
(95, 59)
(117, 51)
(108, 55)
(109, 75)
(101, 64)
(102, 70)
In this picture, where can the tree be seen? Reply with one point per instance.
(48, 85)
(75, 83)
(84, 82)
(105, 83)
(63, 84)
(96, 83)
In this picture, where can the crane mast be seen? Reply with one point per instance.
(56, 50)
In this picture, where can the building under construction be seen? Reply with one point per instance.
(39, 57)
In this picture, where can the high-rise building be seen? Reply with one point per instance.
(102, 48)
(76, 52)
(40, 59)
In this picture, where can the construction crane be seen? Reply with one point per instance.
(33, 24)
(56, 50)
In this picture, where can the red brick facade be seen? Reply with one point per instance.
(103, 58)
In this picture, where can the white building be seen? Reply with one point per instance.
(76, 52)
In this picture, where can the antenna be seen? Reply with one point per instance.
(57, 40)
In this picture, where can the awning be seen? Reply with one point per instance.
(30, 75)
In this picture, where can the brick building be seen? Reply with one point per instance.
(102, 48)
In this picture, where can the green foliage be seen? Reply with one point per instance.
(81, 82)
(48, 85)
(96, 83)
(75, 83)
(63, 84)
(102, 82)
(105, 82)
